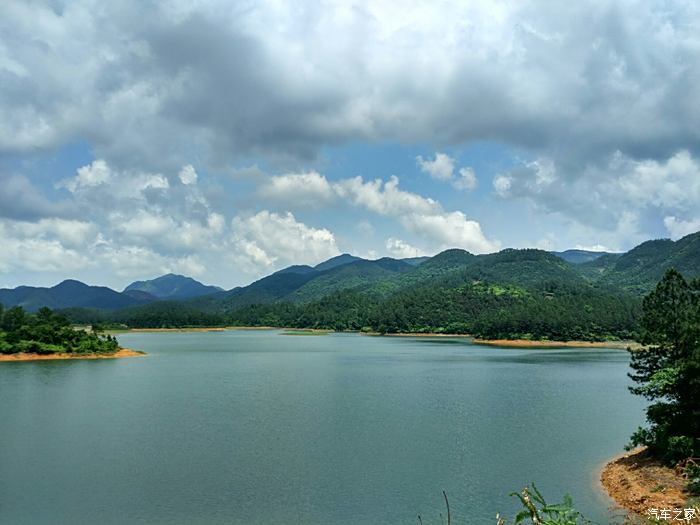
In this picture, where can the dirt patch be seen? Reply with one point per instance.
(122, 352)
(641, 484)
(211, 329)
(527, 343)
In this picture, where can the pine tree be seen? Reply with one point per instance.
(667, 371)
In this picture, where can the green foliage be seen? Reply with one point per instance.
(492, 311)
(47, 332)
(537, 511)
(667, 372)
(165, 314)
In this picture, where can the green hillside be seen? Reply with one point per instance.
(638, 270)
(172, 286)
(513, 293)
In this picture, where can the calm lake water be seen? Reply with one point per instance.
(250, 427)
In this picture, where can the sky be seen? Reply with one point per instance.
(225, 140)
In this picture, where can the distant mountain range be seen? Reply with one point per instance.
(70, 294)
(171, 286)
(633, 273)
(74, 294)
(580, 256)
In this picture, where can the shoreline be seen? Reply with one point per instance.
(637, 483)
(528, 343)
(121, 353)
(520, 343)
(507, 343)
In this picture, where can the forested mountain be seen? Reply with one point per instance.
(172, 286)
(638, 270)
(69, 294)
(512, 293)
(579, 256)
(303, 283)
(333, 262)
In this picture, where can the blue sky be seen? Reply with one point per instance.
(228, 140)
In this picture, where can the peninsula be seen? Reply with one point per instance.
(48, 335)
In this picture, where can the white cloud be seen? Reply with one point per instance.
(440, 168)
(188, 175)
(401, 249)
(466, 180)
(420, 215)
(267, 240)
(616, 197)
(679, 228)
(593, 247)
(451, 230)
(301, 190)
(94, 174)
(502, 184)
(142, 224)
(37, 254)
(69, 232)
(384, 198)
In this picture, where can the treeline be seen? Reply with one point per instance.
(559, 312)
(555, 310)
(47, 332)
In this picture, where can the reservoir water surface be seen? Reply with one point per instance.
(256, 427)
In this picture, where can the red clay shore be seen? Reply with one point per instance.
(527, 343)
(522, 343)
(122, 352)
(641, 484)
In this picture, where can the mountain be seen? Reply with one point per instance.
(297, 268)
(172, 286)
(357, 275)
(302, 284)
(333, 262)
(638, 270)
(579, 256)
(415, 261)
(69, 294)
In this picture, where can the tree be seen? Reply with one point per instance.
(667, 370)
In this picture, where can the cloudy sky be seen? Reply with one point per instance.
(225, 140)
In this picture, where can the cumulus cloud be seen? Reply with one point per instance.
(442, 168)
(71, 233)
(617, 197)
(38, 254)
(450, 230)
(269, 240)
(420, 215)
(401, 249)
(298, 190)
(188, 175)
(678, 228)
(384, 198)
(466, 180)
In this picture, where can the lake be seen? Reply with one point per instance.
(255, 427)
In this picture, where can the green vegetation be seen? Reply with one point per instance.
(48, 333)
(667, 372)
(535, 510)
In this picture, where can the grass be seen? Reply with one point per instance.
(304, 332)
